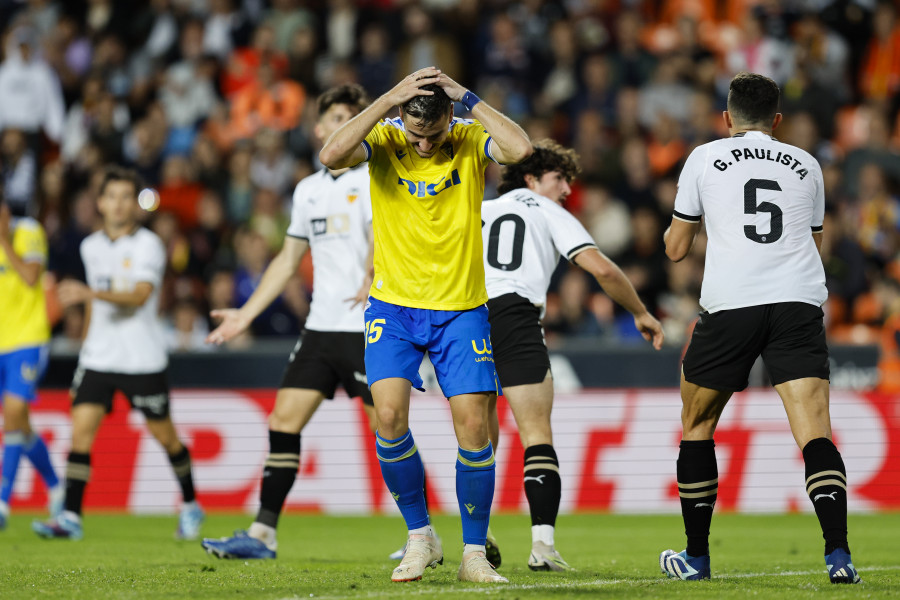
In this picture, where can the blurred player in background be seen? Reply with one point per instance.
(124, 349)
(525, 231)
(24, 334)
(331, 217)
(763, 287)
(427, 184)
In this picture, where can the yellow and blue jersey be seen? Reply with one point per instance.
(426, 217)
(23, 312)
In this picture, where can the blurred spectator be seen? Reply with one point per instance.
(179, 193)
(65, 257)
(186, 330)
(270, 102)
(271, 167)
(823, 54)
(239, 188)
(84, 115)
(207, 240)
(606, 219)
(645, 261)
(30, 94)
(244, 63)
(633, 64)
(376, 61)
(880, 73)
(876, 150)
(664, 94)
(269, 218)
(878, 226)
(304, 61)
(422, 46)
(572, 315)
(636, 185)
(596, 91)
(759, 52)
(222, 26)
(19, 170)
(285, 17)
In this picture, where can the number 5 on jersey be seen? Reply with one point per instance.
(373, 330)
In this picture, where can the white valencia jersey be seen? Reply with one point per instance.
(524, 234)
(761, 200)
(124, 339)
(334, 215)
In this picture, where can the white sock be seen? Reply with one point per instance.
(191, 504)
(71, 516)
(473, 548)
(264, 533)
(427, 530)
(4, 508)
(542, 533)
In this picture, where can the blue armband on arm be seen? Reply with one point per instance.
(469, 100)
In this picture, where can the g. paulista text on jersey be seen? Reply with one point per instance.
(760, 154)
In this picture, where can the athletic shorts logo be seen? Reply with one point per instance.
(831, 495)
(155, 403)
(485, 351)
(29, 372)
(360, 377)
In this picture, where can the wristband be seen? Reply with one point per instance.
(469, 100)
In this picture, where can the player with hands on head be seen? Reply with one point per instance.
(331, 217)
(24, 335)
(124, 350)
(525, 232)
(763, 202)
(427, 183)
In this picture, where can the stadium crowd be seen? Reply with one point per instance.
(212, 102)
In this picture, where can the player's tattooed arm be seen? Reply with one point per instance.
(344, 147)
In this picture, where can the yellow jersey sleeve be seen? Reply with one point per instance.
(426, 215)
(30, 243)
(22, 306)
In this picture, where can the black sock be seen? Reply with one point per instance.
(278, 475)
(78, 473)
(181, 464)
(698, 486)
(543, 487)
(826, 485)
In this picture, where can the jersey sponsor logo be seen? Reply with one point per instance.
(331, 224)
(420, 189)
(783, 158)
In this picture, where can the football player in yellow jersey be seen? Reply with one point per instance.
(24, 333)
(426, 172)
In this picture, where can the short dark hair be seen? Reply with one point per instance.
(429, 109)
(753, 98)
(117, 173)
(548, 156)
(351, 94)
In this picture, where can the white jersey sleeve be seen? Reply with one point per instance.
(761, 201)
(524, 234)
(299, 226)
(687, 199)
(150, 262)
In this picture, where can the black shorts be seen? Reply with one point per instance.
(323, 359)
(517, 340)
(790, 337)
(148, 392)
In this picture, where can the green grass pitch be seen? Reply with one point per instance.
(330, 557)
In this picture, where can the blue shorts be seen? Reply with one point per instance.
(458, 343)
(21, 370)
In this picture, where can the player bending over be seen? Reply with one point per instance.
(764, 284)
(124, 349)
(331, 217)
(24, 333)
(525, 231)
(428, 295)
